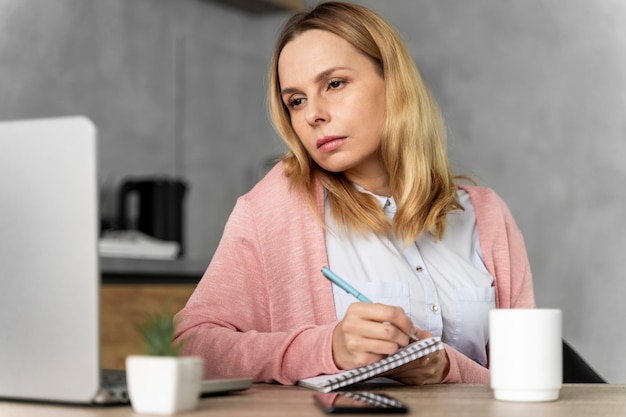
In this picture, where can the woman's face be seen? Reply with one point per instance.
(336, 100)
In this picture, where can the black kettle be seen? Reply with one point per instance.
(159, 207)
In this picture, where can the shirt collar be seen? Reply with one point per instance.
(386, 203)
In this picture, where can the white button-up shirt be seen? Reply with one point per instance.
(443, 285)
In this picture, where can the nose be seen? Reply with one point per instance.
(316, 112)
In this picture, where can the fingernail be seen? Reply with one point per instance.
(414, 334)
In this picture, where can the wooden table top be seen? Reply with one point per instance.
(432, 401)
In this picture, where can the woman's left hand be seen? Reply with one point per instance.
(430, 369)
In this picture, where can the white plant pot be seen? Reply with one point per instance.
(163, 385)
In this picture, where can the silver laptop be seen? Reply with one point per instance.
(49, 273)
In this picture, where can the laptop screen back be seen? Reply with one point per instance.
(49, 279)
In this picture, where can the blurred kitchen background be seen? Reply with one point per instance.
(533, 92)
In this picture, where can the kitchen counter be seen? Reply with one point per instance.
(133, 287)
(154, 271)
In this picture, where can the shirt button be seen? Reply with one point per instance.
(434, 308)
(387, 203)
(419, 269)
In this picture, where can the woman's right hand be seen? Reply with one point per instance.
(368, 333)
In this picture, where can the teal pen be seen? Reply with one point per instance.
(335, 279)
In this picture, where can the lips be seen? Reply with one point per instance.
(328, 143)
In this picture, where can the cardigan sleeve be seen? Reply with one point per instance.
(505, 257)
(252, 313)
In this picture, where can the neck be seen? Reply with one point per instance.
(377, 185)
(371, 175)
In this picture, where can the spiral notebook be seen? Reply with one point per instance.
(411, 352)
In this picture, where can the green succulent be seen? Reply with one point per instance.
(158, 333)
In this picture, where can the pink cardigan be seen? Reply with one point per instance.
(264, 310)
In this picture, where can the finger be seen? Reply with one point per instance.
(383, 313)
(355, 351)
(359, 359)
(421, 334)
(426, 360)
(380, 334)
(434, 367)
(378, 347)
(378, 321)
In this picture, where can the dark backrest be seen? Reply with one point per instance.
(576, 370)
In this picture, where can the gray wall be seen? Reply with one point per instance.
(534, 94)
(533, 91)
(176, 87)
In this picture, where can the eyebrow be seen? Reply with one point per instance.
(319, 77)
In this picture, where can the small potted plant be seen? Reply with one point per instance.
(162, 381)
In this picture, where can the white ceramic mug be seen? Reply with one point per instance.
(526, 354)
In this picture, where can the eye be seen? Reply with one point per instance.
(334, 84)
(295, 102)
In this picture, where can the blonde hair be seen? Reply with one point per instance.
(413, 146)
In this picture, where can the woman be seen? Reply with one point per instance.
(366, 189)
